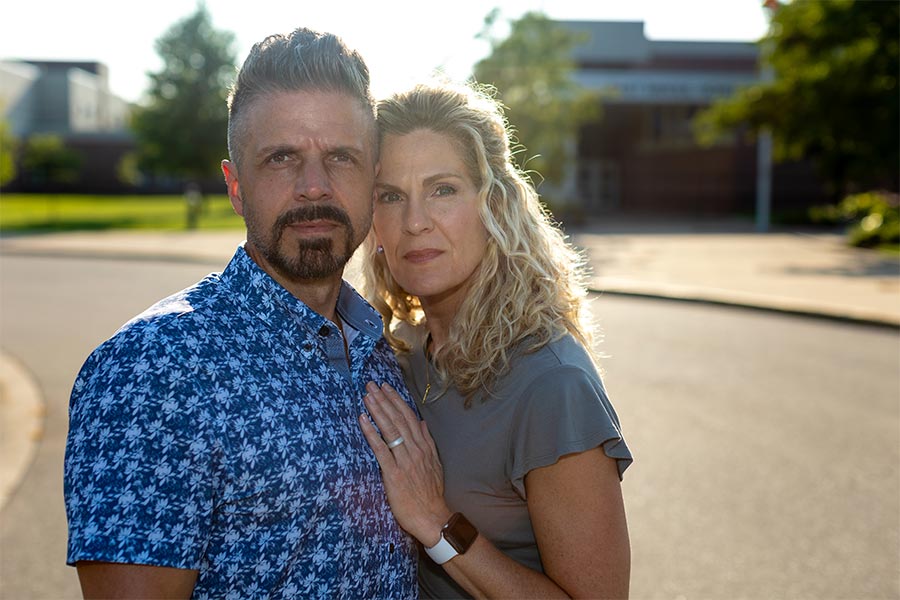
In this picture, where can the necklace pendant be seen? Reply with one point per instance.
(425, 395)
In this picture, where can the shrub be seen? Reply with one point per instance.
(873, 218)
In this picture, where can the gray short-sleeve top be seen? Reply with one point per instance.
(550, 403)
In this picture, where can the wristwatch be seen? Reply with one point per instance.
(457, 536)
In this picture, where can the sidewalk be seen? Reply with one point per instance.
(814, 274)
(714, 262)
(723, 262)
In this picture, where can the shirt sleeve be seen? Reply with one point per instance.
(139, 459)
(564, 411)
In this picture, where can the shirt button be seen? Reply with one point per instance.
(324, 331)
(391, 548)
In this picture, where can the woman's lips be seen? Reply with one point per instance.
(422, 256)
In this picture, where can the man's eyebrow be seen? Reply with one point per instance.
(346, 149)
(342, 148)
(266, 150)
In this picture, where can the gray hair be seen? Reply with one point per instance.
(304, 60)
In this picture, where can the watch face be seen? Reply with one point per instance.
(460, 533)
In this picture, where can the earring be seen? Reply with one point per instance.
(379, 249)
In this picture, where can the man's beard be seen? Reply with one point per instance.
(314, 258)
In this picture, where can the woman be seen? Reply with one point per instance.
(482, 300)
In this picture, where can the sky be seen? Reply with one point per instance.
(400, 40)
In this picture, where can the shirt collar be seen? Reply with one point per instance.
(266, 299)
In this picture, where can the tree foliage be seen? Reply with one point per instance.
(833, 97)
(873, 218)
(47, 159)
(182, 130)
(532, 70)
(7, 153)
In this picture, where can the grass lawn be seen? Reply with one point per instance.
(63, 212)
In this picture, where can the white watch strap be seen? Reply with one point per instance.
(441, 552)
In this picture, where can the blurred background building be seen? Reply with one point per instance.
(70, 100)
(641, 155)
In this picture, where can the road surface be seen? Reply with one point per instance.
(767, 447)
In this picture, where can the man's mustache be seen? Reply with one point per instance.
(313, 212)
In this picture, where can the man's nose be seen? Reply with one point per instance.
(313, 182)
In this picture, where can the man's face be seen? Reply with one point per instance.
(306, 181)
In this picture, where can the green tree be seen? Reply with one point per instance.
(7, 153)
(833, 97)
(46, 159)
(532, 70)
(181, 131)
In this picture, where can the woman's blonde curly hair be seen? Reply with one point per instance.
(529, 287)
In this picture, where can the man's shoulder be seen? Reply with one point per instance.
(192, 307)
(172, 323)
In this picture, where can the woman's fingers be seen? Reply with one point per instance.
(399, 410)
(400, 405)
(392, 424)
(400, 427)
(411, 471)
(426, 435)
(378, 446)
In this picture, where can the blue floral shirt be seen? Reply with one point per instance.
(218, 431)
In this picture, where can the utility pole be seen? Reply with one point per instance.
(764, 138)
(763, 179)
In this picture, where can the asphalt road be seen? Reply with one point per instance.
(767, 447)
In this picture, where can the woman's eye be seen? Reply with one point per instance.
(444, 190)
(388, 197)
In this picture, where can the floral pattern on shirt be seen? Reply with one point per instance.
(218, 431)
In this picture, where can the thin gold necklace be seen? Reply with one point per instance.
(427, 369)
(427, 383)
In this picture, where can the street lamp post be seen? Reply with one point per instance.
(764, 140)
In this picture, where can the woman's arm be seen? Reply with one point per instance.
(111, 580)
(578, 517)
(575, 506)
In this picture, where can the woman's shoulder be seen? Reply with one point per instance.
(532, 372)
(565, 352)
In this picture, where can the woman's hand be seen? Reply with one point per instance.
(411, 470)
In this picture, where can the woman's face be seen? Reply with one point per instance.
(426, 217)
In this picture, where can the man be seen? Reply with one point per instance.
(214, 449)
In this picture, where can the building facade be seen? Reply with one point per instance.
(71, 100)
(641, 156)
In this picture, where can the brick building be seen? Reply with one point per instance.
(641, 155)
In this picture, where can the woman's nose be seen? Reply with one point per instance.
(417, 218)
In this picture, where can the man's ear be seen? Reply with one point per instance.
(233, 186)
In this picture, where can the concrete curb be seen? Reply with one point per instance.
(22, 425)
(787, 307)
(101, 254)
